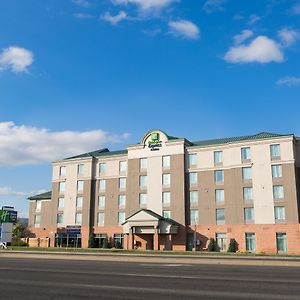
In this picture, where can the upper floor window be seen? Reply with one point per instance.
(122, 183)
(100, 220)
(276, 171)
(248, 193)
(193, 178)
(218, 157)
(279, 212)
(102, 168)
(102, 184)
(60, 218)
(122, 200)
(121, 218)
(62, 187)
(194, 216)
(143, 163)
(101, 201)
(246, 173)
(80, 185)
(245, 153)
(219, 176)
(192, 159)
(38, 205)
(80, 169)
(37, 219)
(278, 192)
(62, 171)
(166, 161)
(143, 199)
(166, 179)
(143, 181)
(193, 197)
(61, 203)
(219, 196)
(79, 202)
(167, 214)
(122, 166)
(78, 218)
(220, 215)
(249, 214)
(166, 198)
(275, 151)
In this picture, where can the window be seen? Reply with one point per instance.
(60, 218)
(143, 163)
(143, 181)
(101, 201)
(246, 173)
(166, 179)
(193, 177)
(62, 171)
(102, 184)
(219, 176)
(122, 200)
(61, 202)
(220, 216)
(101, 217)
(102, 168)
(122, 166)
(62, 187)
(79, 202)
(221, 240)
(167, 214)
(245, 154)
(37, 219)
(122, 183)
(218, 157)
(275, 151)
(38, 205)
(281, 242)
(219, 196)
(278, 192)
(143, 199)
(166, 161)
(121, 218)
(78, 218)
(248, 193)
(192, 159)
(276, 171)
(118, 240)
(79, 185)
(279, 213)
(80, 169)
(193, 197)
(249, 214)
(194, 216)
(250, 242)
(166, 198)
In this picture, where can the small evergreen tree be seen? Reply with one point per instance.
(233, 246)
(212, 245)
(105, 243)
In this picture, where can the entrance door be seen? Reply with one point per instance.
(149, 242)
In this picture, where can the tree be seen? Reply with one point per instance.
(91, 241)
(18, 232)
(212, 245)
(233, 246)
(105, 243)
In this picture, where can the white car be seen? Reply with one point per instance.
(3, 245)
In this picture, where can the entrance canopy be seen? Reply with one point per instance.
(146, 221)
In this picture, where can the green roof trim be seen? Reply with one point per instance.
(42, 196)
(98, 153)
(259, 136)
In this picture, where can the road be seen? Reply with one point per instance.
(33, 278)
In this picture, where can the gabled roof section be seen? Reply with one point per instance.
(98, 153)
(42, 196)
(259, 136)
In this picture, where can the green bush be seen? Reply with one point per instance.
(105, 244)
(233, 246)
(212, 245)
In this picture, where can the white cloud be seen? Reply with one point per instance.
(288, 36)
(244, 35)
(83, 3)
(262, 50)
(211, 6)
(289, 81)
(21, 145)
(16, 59)
(83, 16)
(7, 191)
(253, 19)
(115, 19)
(184, 28)
(146, 5)
(296, 9)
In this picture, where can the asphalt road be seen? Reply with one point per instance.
(30, 279)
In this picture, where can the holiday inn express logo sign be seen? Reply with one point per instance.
(154, 144)
(8, 216)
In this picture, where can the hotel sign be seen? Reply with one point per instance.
(154, 144)
(8, 216)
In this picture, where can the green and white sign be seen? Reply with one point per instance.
(154, 144)
(8, 216)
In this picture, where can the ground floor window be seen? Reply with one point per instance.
(100, 239)
(118, 240)
(281, 242)
(221, 239)
(68, 240)
(250, 242)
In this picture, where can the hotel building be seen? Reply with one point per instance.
(168, 193)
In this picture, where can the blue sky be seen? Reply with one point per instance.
(79, 75)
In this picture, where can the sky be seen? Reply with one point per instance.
(80, 75)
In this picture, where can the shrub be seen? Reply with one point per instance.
(233, 246)
(105, 243)
(212, 245)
